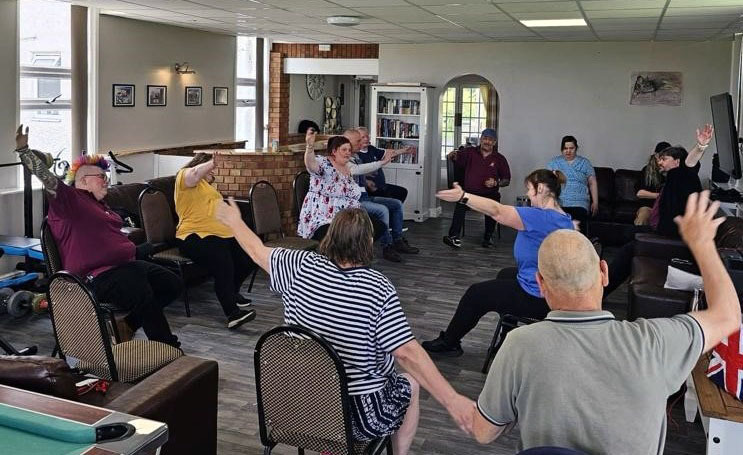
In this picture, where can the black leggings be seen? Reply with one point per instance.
(225, 260)
(503, 294)
(578, 214)
(457, 220)
(144, 289)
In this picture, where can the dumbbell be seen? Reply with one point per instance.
(16, 304)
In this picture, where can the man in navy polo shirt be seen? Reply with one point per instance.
(485, 171)
(376, 185)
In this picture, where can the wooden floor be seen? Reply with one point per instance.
(429, 284)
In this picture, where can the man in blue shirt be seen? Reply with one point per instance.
(376, 184)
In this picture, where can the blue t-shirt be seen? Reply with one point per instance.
(575, 191)
(538, 224)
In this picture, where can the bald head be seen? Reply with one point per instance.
(570, 271)
(354, 137)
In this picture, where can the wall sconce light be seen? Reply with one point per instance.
(183, 68)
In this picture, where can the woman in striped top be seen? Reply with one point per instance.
(356, 309)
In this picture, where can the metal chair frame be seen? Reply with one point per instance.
(374, 448)
(297, 202)
(506, 323)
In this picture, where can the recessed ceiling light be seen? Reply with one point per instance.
(556, 23)
(343, 21)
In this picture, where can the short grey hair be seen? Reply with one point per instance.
(568, 262)
(362, 129)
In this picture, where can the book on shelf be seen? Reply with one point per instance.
(388, 127)
(401, 159)
(399, 106)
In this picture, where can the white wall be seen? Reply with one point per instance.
(301, 106)
(142, 53)
(548, 90)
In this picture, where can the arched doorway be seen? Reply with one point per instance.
(467, 105)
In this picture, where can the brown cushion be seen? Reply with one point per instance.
(647, 296)
(40, 374)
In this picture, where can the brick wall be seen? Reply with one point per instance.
(236, 174)
(278, 91)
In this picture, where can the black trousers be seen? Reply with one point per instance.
(144, 289)
(503, 295)
(457, 221)
(578, 214)
(394, 191)
(620, 268)
(225, 261)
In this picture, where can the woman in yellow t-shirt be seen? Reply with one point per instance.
(208, 242)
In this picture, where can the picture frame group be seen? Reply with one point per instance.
(123, 95)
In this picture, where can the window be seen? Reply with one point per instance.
(245, 92)
(45, 69)
(468, 106)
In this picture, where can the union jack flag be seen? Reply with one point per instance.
(726, 366)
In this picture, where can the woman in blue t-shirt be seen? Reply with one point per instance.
(580, 195)
(514, 290)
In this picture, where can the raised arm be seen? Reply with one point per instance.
(310, 161)
(645, 194)
(415, 360)
(229, 214)
(365, 168)
(503, 214)
(32, 161)
(698, 227)
(703, 137)
(196, 173)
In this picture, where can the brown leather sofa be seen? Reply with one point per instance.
(647, 296)
(123, 199)
(618, 204)
(182, 394)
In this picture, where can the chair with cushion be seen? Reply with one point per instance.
(159, 227)
(53, 264)
(311, 414)
(267, 218)
(81, 333)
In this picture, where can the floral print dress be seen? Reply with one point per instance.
(329, 193)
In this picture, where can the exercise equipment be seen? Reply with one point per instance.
(17, 303)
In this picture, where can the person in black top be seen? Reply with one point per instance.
(682, 179)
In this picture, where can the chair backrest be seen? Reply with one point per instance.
(300, 187)
(302, 391)
(157, 220)
(79, 326)
(265, 206)
(52, 258)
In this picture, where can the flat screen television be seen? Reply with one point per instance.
(726, 134)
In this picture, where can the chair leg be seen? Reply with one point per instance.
(267, 450)
(252, 279)
(492, 348)
(300, 451)
(185, 292)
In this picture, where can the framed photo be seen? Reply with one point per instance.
(123, 95)
(157, 95)
(193, 96)
(220, 96)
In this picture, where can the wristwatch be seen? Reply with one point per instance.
(463, 199)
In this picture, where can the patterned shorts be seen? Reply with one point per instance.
(380, 413)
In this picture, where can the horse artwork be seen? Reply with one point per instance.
(651, 88)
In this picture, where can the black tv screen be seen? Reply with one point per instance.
(726, 134)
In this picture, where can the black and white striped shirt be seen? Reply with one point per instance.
(356, 310)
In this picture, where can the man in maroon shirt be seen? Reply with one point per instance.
(91, 245)
(485, 171)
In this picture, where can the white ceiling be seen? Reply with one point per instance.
(425, 21)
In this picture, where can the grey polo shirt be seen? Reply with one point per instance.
(586, 381)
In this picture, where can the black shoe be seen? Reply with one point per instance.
(487, 242)
(243, 302)
(239, 318)
(440, 347)
(453, 241)
(391, 254)
(402, 246)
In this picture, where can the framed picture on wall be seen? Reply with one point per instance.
(123, 95)
(193, 96)
(220, 96)
(157, 95)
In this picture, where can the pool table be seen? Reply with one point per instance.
(36, 424)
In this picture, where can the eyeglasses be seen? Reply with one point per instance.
(101, 176)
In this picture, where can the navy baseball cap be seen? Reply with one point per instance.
(489, 132)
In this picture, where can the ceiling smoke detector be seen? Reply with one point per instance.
(343, 21)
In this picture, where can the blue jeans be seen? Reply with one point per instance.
(389, 212)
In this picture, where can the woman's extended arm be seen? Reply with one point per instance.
(31, 161)
(310, 161)
(503, 214)
(645, 194)
(704, 136)
(365, 168)
(229, 214)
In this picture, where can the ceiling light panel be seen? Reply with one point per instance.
(538, 7)
(554, 23)
(624, 13)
